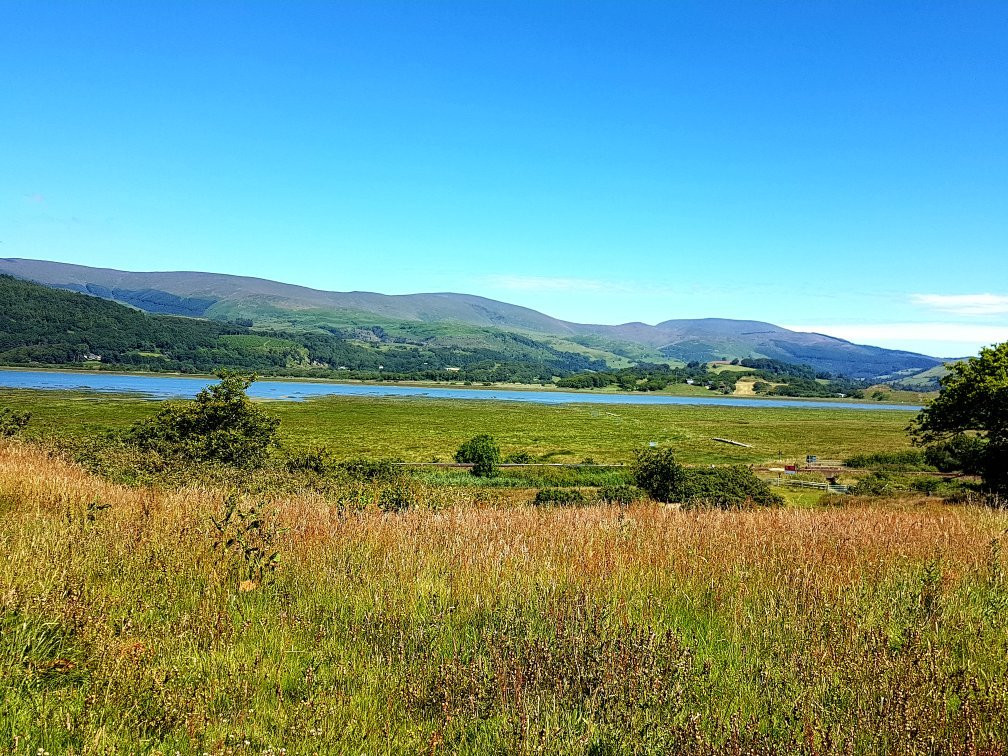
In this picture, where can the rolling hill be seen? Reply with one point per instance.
(459, 321)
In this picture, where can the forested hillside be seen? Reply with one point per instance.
(447, 321)
(43, 326)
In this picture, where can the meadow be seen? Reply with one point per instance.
(421, 430)
(302, 614)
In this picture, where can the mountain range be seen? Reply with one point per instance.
(450, 320)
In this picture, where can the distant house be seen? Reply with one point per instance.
(92, 357)
(689, 381)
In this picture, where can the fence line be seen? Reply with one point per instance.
(828, 487)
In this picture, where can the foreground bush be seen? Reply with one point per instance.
(221, 425)
(657, 473)
(619, 493)
(726, 487)
(877, 484)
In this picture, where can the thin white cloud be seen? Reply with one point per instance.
(551, 283)
(965, 304)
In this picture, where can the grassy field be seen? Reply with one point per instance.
(479, 624)
(424, 429)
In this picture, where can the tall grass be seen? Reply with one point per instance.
(484, 625)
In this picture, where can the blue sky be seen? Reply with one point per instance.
(840, 167)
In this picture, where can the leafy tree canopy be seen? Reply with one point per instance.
(657, 472)
(973, 398)
(482, 453)
(221, 424)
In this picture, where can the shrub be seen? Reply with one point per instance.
(656, 472)
(926, 485)
(619, 493)
(876, 484)
(725, 487)
(12, 423)
(562, 496)
(904, 459)
(398, 495)
(372, 469)
(482, 453)
(222, 424)
(961, 453)
(664, 479)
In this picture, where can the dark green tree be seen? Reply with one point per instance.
(482, 453)
(222, 425)
(657, 473)
(973, 399)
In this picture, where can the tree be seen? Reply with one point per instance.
(482, 453)
(222, 424)
(657, 472)
(973, 399)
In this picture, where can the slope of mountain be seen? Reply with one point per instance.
(40, 325)
(461, 320)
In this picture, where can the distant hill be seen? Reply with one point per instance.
(40, 325)
(461, 321)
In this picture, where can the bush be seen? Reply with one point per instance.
(726, 487)
(876, 484)
(656, 472)
(619, 493)
(222, 425)
(905, 459)
(317, 460)
(399, 495)
(926, 485)
(562, 496)
(372, 469)
(664, 479)
(961, 453)
(482, 453)
(12, 423)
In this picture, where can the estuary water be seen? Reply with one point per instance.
(165, 387)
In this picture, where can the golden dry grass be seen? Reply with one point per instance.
(489, 625)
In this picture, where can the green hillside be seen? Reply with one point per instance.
(451, 321)
(44, 326)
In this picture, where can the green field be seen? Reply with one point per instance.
(433, 611)
(419, 429)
